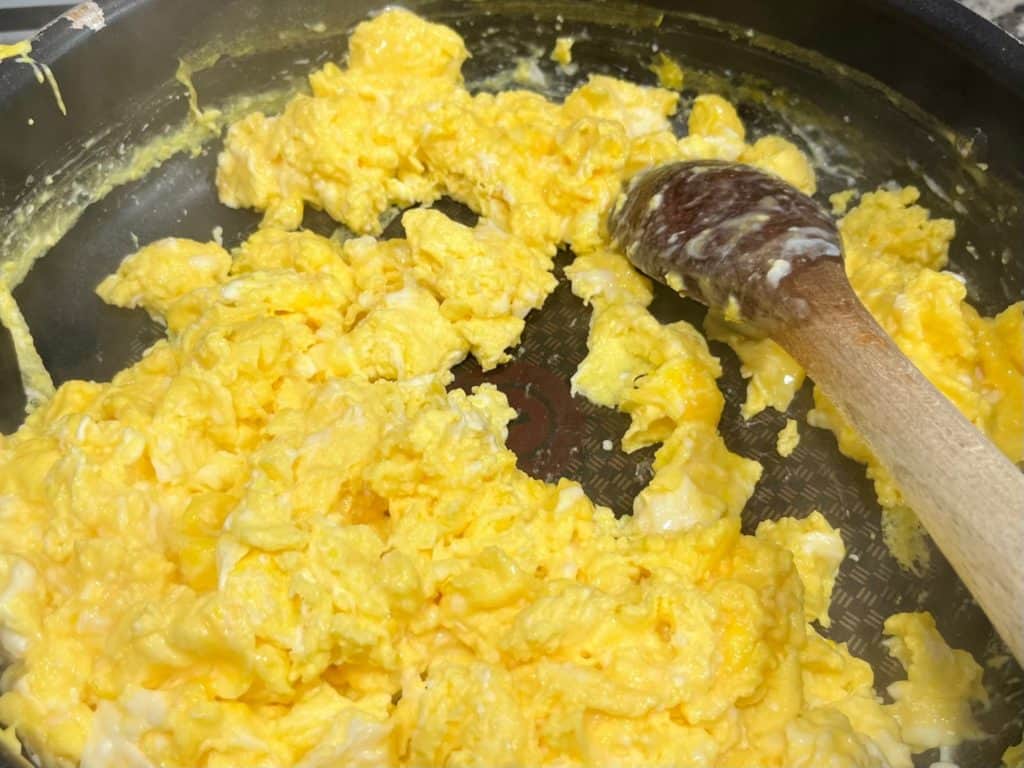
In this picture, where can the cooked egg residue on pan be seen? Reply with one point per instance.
(279, 539)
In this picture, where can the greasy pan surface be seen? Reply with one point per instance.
(959, 68)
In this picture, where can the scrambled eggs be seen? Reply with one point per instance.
(1014, 756)
(562, 52)
(278, 539)
(788, 439)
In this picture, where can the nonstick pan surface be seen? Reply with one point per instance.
(121, 94)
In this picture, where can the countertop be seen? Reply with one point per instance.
(1009, 14)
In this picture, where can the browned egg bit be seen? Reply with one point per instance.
(753, 247)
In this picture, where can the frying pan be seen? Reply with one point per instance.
(912, 91)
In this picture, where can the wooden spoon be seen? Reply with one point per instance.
(747, 244)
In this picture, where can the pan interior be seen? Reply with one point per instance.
(858, 135)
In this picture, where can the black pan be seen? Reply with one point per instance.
(924, 92)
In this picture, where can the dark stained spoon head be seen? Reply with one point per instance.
(728, 235)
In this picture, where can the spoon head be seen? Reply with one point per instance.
(726, 234)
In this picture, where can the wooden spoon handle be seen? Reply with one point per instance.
(966, 492)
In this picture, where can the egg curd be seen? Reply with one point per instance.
(279, 540)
